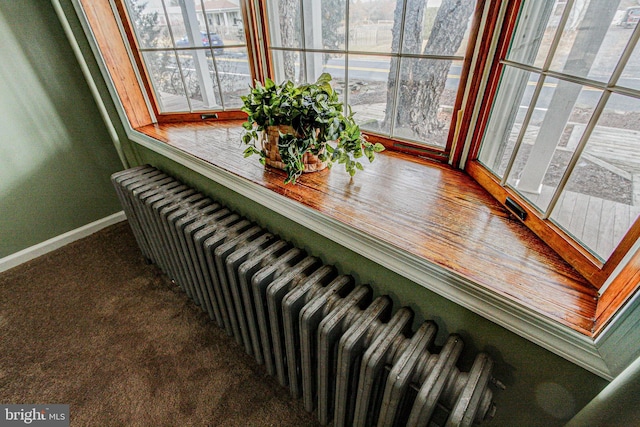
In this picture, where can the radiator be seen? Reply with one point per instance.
(331, 341)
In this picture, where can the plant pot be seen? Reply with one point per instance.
(270, 144)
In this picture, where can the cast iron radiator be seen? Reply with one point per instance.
(329, 340)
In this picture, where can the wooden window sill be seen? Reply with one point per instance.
(432, 212)
(420, 207)
(438, 228)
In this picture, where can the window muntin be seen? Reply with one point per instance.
(602, 38)
(195, 61)
(609, 212)
(566, 105)
(397, 63)
(537, 169)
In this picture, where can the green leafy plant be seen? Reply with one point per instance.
(317, 118)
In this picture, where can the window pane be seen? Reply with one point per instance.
(198, 75)
(225, 22)
(427, 27)
(288, 66)
(285, 23)
(590, 45)
(368, 96)
(166, 81)
(371, 26)
(507, 115)
(188, 26)
(551, 138)
(235, 76)
(184, 76)
(182, 40)
(602, 197)
(536, 28)
(426, 98)
(321, 22)
(324, 22)
(631, 74)
(445, 29)
(149, 24)
(426, 87)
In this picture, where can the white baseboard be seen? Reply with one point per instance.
(54, 243)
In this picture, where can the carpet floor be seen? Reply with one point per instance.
(91, 325)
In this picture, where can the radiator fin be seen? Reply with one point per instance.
(332, 342)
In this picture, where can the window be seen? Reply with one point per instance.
(559, 120)
(399, 64)
(612, 326)
(193, 53)
(563, 128)
(560, 128)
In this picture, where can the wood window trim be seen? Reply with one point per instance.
(145, 80)
(137, 57)
(622, 286)
(257, 36)
(115, 56)
(598, 353)
(594, 270)
(491, 26)
(574, 254)
(97, 10)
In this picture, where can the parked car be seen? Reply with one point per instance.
(213, 40)
(631, 17)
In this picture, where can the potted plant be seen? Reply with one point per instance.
(291, 127)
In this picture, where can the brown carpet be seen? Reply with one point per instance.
(91, 325)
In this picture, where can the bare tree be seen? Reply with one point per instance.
(422, 83)
(411, 43)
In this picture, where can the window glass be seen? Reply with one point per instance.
(372, 25)
(431, 123)
(288, 65)
(285, 23)
(446, 27)
(631, 74)
(410, 97)
(330, 34)
(199, 79)
(602, 198)
(149, 24)
(234, 73)
(369, 91)
(537, 25)
(559, 119)
(591, 44)
(507, 117)
(570, 148)
(166, 79)
(194, 52)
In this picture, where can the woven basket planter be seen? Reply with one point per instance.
(270, 143)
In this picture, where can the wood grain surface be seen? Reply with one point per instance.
(105, 30)
(427, 209)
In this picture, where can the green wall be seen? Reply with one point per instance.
(542, 389)
(55, 152)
